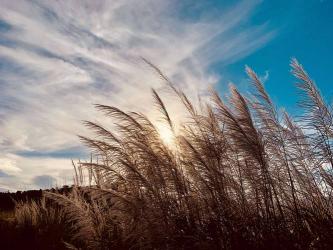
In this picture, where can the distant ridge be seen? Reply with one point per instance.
(8, 199)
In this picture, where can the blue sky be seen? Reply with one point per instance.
(304, 31)
(57, 58)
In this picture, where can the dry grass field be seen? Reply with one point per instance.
(240, 174)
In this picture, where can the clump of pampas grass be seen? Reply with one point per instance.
(240, 175)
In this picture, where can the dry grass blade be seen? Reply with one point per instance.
(162, 108)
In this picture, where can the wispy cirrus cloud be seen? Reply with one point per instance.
(57, 58)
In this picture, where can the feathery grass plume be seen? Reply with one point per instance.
(318, 115)
(161, 107)
(274, 137)
(41, 225)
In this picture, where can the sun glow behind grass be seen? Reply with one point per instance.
(166, 135)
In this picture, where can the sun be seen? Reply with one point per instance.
(166, 135)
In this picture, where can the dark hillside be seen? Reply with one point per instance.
(8, 199)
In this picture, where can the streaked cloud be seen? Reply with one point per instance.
(57, 58)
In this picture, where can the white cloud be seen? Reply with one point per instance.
(8, 164)
(63, 56)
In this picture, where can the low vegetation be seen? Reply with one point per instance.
(240, 174)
